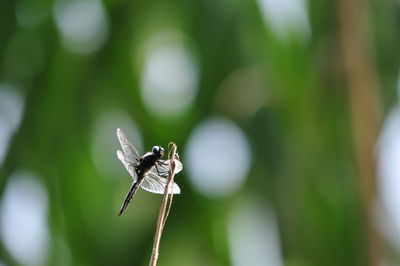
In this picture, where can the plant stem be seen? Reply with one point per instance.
(365, 113)
(162, 214)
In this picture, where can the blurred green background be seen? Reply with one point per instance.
(284, 112)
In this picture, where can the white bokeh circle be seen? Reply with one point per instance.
(169, 74)
(23, 219)
(103, 148)
(217, 157)
(83, 24)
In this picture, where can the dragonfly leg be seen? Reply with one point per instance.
(158, 171)
(162, 162)
(164, 171)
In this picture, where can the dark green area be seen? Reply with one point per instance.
(303, 165)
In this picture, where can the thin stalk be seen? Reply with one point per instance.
(163, 214)
(362, 80)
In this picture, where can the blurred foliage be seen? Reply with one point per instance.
(301, 135)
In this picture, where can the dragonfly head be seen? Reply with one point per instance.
(159, 151)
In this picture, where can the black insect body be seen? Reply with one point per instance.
(146, 162)
(149, 160)
(148, 172)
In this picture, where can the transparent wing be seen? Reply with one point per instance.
(131, 154)
(163, 167)
(129, 165)
(156, 184)
(178, 166)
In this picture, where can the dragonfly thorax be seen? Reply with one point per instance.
(147, 162)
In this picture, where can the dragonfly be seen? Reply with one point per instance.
(149, 171)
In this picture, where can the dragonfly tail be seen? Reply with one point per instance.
(129, 196)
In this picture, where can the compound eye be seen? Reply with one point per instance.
(159, 151)
(156, 149)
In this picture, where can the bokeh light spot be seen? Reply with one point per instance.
(218, 157)
(169, 75)
(253, 236)
(105, 143)
(23, 219)
(285, 17)
(11, 109)
(389, 171)
(244, 83)
(83, 24)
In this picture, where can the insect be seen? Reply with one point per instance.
(149, 171)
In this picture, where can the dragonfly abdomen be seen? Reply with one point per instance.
(130, 194)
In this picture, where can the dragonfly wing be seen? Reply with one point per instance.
(130, 152)
(130, 167)
(163, 167)
(156, 184)
(178, 166)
